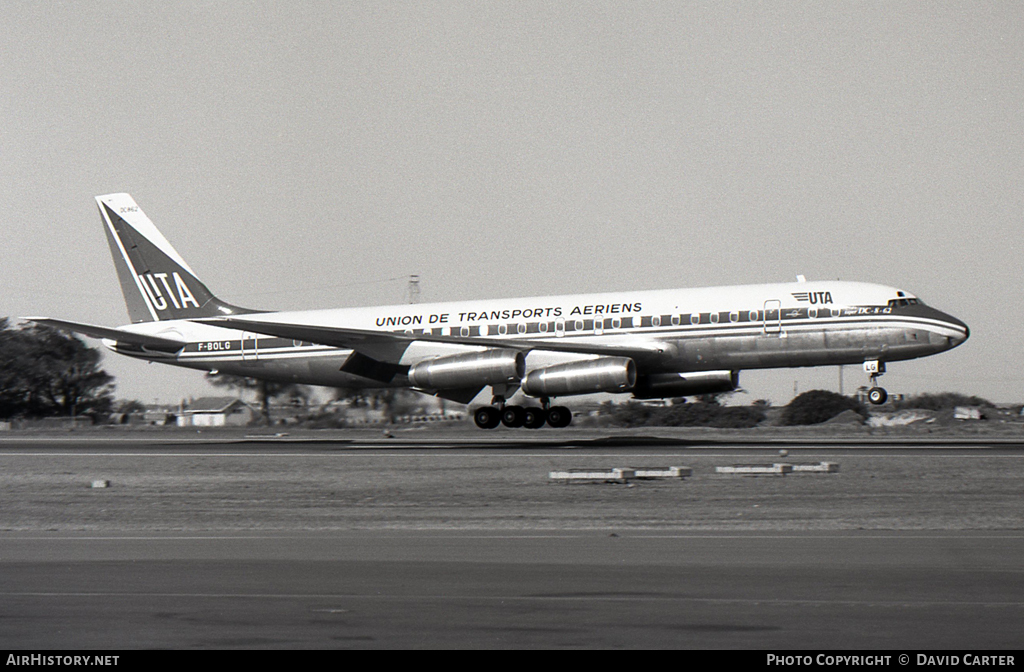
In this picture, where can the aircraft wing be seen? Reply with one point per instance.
(387, 345)
(144, 340)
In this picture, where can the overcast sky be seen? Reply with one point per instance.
(307, 154)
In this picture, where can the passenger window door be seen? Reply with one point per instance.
(773, 317)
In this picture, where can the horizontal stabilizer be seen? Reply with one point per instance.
(95, 331)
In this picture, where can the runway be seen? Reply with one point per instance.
(779, 591)
(199, 546)
(588, 590)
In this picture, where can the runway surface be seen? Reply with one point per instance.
(197, 546)
(423, 590)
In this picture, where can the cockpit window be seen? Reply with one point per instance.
(903, 302)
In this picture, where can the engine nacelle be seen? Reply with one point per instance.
(661, 385)
(607, 374)
(471, 369)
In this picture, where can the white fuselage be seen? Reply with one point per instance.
(682, 330)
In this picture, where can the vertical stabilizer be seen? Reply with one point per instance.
(156, 282)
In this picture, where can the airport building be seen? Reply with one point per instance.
(216, 412)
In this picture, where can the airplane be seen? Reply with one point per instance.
(647, 344)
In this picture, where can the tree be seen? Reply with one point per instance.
(44, 371)
(15, 365)
(391, 401)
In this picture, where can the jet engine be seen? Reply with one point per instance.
(661, 385)
(607, 374)
(471, 369)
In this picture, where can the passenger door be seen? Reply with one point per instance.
(250, 347)
(773, 317)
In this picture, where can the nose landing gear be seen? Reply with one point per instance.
(876, 395)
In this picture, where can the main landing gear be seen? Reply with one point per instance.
(876, 395)
(530, 417)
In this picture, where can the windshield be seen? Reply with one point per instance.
(903, 302)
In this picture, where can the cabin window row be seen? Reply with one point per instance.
(612, 323)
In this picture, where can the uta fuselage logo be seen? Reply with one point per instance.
(813, 297)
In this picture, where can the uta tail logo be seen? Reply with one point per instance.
(813, 297)
(159, 289)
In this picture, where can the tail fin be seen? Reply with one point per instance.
(156, 282)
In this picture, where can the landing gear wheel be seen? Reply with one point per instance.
(535, 418)
(559, 416)
(487, 417)
(875, 368)
(513, 416)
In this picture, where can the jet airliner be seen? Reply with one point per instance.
(647, 344)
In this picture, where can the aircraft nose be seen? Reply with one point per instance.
(957, 340)
(961, 327)
(955, 331)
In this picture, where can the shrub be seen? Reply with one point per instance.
(633, 414)
(817, 406)
(704, 414)
(941, 402)
(700, 414)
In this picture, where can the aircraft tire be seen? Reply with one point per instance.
(513, 416)
(877, 396)
(535, 418)
(487, 417)
(559, 416)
